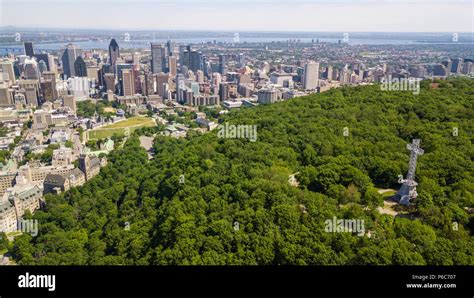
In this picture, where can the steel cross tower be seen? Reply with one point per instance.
(408, 189)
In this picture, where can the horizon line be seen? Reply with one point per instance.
(6, 27)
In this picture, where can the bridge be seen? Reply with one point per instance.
(12, 50)
(22, 50)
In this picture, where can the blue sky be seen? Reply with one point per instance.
(244, 15)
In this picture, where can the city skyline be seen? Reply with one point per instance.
(244, 15)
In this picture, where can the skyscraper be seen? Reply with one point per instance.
(179, 87)
(467, 67)
(31, 70)
(80, 67)
(448, 64)
(70, 53)
(457, 65)
(43, 57)
(196, 61)
(223, 91)
(69, 101)
(170, 45)
(311, 75)
(120, 68)
(29, 50)
(128, 85)
(6, 68)
(114, 54)
(109, 82)
(149, 81)
(161, 82)
(51, 63)
(5, 95)
(241, 60)
(206, 66)
(222, 64)
(157, 58)
(173, 65)
(182, 58)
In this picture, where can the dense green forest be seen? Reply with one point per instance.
(237, 207)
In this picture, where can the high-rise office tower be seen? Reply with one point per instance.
(138, 81)
(51, 77)
(196, 61)
(136, 59)
(173, 65)
(223, 91)
(222, 69)
(69, 55)
(114, 54)
(6, 68)
(128, 82)
(439, 70)
(467, 67)
(43, 57)
(5, 95)
(241, 60)
(69, 101)
(161, 83)
(149, 87)
(200, 76)
(457, 65)
(311, 75)
(195, 88)
(184, 57)
(182, 48)
(179, 87)
(170, 46)
(157, 57)
(80, 67)
(47, 90)
(29, 49)
(52, 63)
(120, 68)
(206, 65)
(328, 73)
(31, 70)
(185, 62)
(109, 82)
(216, 81)
(32, 91)
(449, 65)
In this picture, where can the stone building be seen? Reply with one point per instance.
(63, 182)
(15, 202)
(91, 165)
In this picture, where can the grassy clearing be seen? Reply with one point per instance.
(119, 128)
(142, 121)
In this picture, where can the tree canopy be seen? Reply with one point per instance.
(210, 200)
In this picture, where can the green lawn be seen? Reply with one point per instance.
(386, 192)
(105, 133)
(119, 127)
(142, 121)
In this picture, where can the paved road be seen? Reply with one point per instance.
(147, 143)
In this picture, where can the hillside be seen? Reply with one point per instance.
(236, 205)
